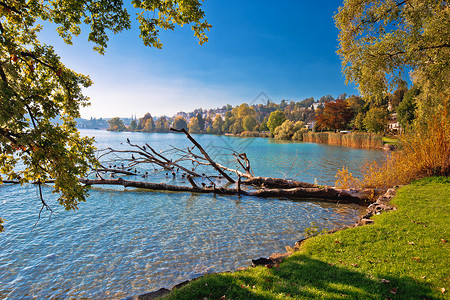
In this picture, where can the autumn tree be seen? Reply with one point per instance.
(37, 88)
(376, 119)
(116, 124)
(133, 125)
(380, 42)
(406, 110)
(149, 125)
(180, 123)
(249, 123)
(208, 123)
(335, 115)
(229, 120)
(146, 123)
(276, 118)
(217, 125)
(162, 125)
(201, 122)
(194, 126)
(288, 129)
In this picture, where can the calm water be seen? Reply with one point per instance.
(124, 242)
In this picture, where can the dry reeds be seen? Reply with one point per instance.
(353, 140)
(426, 152)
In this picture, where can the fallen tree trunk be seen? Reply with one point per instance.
(200, 148)
(277, 182)
(338, 195)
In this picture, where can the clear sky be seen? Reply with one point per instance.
(286, 50)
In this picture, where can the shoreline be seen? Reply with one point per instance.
(275, 259)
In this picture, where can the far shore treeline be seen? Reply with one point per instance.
(288, 120)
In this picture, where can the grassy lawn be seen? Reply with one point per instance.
(404, 255)
(389, 141)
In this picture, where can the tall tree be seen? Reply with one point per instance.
(276, 118)
(380, 41)
(133, 125)
(376, 119)
(116, 124)
(336, 115)
(180, 123)
(249, 123)
(146, 123)
(162, 125)
(217, 125)
(194, 126)
(201, 121)
(36, 87)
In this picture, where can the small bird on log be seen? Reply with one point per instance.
(128, 140)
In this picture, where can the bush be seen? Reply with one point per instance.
(254, 134)
(289, 129)
(424, 152)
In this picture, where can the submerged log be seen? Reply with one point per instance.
(336, 195)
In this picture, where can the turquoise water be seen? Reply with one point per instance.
(125, 242)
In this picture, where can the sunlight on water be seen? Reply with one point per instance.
(124, 242)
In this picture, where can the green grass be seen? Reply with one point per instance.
(389, 141)
(409, 247)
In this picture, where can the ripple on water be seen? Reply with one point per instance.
(127, 242)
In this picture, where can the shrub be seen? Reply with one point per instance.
(424, 152)
(345, 180)
(289, 129)
(254, 134)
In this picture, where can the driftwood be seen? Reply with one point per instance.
(174, 160)
(293, 193)
(192, 163)
(200, 148)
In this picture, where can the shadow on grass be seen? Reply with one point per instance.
(301, 277)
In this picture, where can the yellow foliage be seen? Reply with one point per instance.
(425, 152)
(345, 180)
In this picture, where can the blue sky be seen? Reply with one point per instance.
(285, 49)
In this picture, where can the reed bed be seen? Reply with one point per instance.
(353, 140)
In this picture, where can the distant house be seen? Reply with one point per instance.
(316, 105)
(393, 124)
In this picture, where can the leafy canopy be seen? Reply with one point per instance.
(382, 40)
(40, 98)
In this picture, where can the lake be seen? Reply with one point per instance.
(124, 242)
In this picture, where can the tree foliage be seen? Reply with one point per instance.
(162, 125)
(194, 126)
(381, 40)
(335, 115)
(37, 90)
(217, 125)
(290, 131)
(406, 109)
(133, 125)
(376, 119)
(276, 118)
(116, 124)
(180, 123)
(249, 123)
